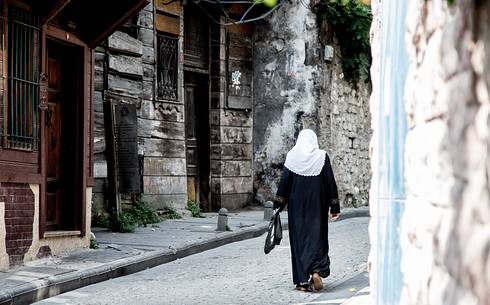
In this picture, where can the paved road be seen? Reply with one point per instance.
(237, 273)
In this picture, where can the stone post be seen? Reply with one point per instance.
(222, 220)
(269, 207)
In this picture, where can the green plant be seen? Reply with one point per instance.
(100, 220)
(93, 242)
(195, 209)
(169, 212)
(351, 22)
(142, 214)
(125, 223)
(139, 214)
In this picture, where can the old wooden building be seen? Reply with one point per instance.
(46, 121)
(180, 81)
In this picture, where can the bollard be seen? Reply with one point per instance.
(269, 207)
(222, 220)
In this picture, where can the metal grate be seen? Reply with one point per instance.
(22, 109)
(167, 65)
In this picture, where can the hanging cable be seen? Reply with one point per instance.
(241, 21)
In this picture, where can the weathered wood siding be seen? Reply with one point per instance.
(230, 116)
(126, 72)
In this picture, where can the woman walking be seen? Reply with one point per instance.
(308, 187)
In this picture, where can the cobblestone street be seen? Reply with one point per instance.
(237, 273)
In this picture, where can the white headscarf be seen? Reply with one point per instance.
(305, 158)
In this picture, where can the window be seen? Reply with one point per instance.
(196, 38)
(167, 74)
(19, 97)
(131, 27)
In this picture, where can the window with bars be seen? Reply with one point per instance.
(19, 100)
(167, 67)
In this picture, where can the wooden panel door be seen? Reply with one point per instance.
(53, 146)
(191, 142)
(197, 138)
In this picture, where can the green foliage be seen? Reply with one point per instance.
(351, 21)
(100, 220)
(451, 2)
(137, 215)
(142, 214)
(93, 242)
(195, 209)
(169, 212)
(126, 223)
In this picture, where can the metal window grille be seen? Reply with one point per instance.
(167, 67)
(21, 108)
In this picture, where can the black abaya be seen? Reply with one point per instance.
(309, 199)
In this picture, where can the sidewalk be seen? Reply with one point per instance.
(122, 254)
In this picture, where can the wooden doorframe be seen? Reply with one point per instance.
(52, 33)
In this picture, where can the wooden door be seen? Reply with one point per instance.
(64, 138)
(191, 141)
(53, 146)
(197, 138)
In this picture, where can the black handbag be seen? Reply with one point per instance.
(274, 233)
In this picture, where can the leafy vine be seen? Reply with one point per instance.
(350, 21)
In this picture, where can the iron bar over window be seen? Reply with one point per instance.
(22, 109)
(167, 67)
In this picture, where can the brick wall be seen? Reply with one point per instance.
(19, 218)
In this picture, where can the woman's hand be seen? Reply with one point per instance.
(335, 216)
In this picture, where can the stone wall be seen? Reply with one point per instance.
(295, 88)
(446, 225)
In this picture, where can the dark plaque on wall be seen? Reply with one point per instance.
(126, 148)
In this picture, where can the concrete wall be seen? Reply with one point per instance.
(296, 88)
(19, 227)
(57, 245)
(4, 258)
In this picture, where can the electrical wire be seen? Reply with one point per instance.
(248, 11)
(241, 21)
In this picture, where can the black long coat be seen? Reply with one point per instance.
(309, 199)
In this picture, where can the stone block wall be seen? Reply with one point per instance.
(296, 88)
(446, 224)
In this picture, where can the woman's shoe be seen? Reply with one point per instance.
(304, 287)
(317, 281)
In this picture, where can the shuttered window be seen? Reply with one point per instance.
(20, 42)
